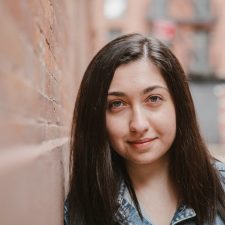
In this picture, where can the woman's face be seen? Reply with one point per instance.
(140, 116)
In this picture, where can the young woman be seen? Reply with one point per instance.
(136, 151)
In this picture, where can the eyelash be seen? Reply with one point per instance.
(153, 100)
(111, 105)
(153, 97)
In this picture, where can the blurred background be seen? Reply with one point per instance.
(45, 46)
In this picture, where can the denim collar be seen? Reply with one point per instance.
(127, 213)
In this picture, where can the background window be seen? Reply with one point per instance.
(114, 9)
(158, 9)
(201, 9)
(113, 33)
(199, 60)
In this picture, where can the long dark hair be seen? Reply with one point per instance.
(96, 171)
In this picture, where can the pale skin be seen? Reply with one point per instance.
(141, 125)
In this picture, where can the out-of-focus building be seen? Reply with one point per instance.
(193, 29)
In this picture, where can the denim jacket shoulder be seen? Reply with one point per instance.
(128, 215)
(220, 166)
(66, 213)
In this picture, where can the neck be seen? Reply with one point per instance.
(152, 179)
(147, 174)
(154, 189)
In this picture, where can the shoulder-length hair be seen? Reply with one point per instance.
(96, 171)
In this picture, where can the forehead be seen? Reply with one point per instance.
(137, 74)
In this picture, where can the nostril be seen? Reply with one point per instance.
(138, 127)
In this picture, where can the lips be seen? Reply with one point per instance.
(141, 144)
(142, 141)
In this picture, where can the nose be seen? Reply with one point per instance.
(138, 121)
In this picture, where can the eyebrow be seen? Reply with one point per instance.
(145, 91)
(151, 88)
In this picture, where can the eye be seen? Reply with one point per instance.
(154, 99)
(115, 105)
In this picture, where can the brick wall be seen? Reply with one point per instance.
(39, 76)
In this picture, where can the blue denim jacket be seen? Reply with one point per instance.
(128, 215)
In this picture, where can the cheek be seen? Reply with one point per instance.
(114, 136)
(167, 122)
(171, 129)
(116, 123)
(114, 127)
(117, 133)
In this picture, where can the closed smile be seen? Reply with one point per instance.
(141, 143)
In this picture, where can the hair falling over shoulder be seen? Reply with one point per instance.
(96, 173)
